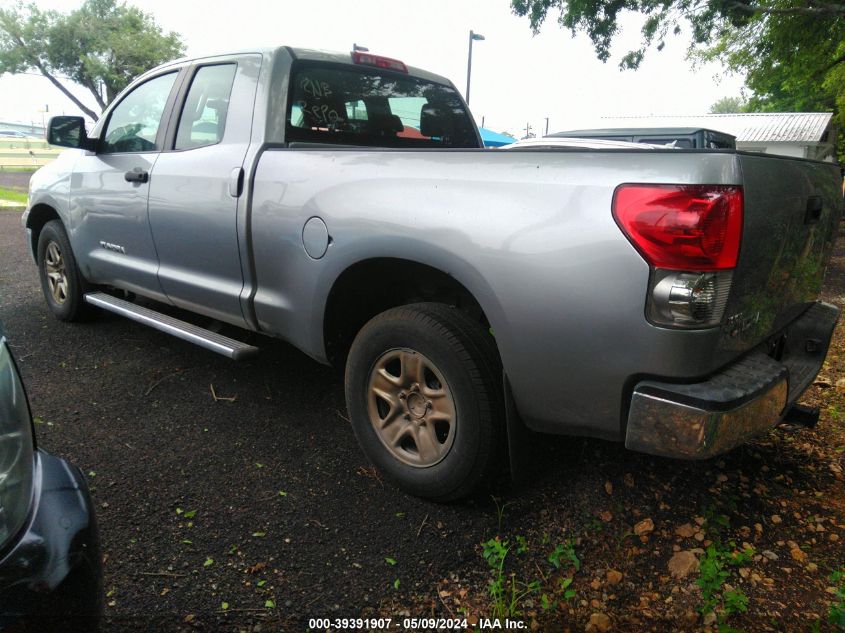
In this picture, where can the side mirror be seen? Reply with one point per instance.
(68, 131)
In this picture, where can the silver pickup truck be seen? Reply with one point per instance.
(343, 203)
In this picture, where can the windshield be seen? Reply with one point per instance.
(360, 106)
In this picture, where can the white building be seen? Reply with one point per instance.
(799, 134)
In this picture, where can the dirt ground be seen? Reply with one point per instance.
(255, 511)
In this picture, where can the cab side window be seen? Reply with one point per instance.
(133, 124)
(203, 118)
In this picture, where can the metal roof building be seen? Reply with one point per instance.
(800, 134)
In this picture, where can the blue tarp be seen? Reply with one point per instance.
(494, 139)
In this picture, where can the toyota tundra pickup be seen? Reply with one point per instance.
(344, 203)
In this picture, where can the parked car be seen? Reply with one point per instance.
(663, 298)
(50, 566)
(11, 134)
(682, 137)
(550, 142)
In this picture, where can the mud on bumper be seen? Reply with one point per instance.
(699, 420)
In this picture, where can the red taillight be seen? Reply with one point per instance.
(378, 61)
(682, 227)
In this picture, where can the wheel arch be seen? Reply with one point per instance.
(370, 286)
(39, 215)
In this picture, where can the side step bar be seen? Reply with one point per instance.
(235, 350)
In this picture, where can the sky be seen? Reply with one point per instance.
(518, 79)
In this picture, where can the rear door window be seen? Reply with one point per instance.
(203, 118)
(359, 106)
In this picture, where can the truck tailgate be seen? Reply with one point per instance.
(791, 211)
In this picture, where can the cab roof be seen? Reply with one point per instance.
(309, 54)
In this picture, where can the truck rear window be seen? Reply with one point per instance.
(357, 106)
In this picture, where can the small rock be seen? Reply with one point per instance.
(606, 516)
(683, 564)
(614, 577)
(812, 567)
(722, 478)
(608, 487)
(744, 572)
(599, 622)
(685, 531)
(646, 526)
(833, 537)
(840, 384)
(823, 381)
(776, 519)
(767, 553)
(798, 554)
(709, 618)
(699, 536)
(629, 480)
(596, 584)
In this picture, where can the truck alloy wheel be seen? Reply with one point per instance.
(54, 266)
(411, 407)
(423, 388)
(63, 285)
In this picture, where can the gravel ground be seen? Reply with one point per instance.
(255, 511)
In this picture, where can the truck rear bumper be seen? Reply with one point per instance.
(699, 420)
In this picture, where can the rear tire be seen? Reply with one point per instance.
(63, 285)
(423, 389)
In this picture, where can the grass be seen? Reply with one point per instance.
(836, 612)
(19, 169)
(717, 596)
(510, 593)
(12, 195)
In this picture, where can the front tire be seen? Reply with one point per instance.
(423, 389)
(63, 285)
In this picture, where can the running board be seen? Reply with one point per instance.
(235, 350)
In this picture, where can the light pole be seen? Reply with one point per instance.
(472, 36)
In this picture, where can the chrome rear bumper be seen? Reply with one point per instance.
(699, 420)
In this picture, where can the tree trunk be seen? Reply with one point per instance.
(58, 84)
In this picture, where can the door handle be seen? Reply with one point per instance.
(236, 182)
(137, 175)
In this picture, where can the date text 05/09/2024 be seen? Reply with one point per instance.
(415, 624)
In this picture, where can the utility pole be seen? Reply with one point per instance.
(547, 127)
(472, 37)
(528, 129)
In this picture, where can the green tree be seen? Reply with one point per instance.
(729, 105)
(101, 46)
(791, 52)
